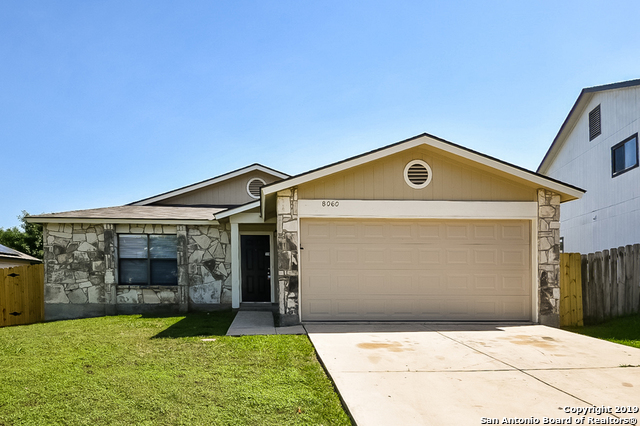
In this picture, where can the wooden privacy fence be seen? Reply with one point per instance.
(571, 289)
(21, 295)
(610, 283)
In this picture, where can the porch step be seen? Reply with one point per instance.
(259, 306)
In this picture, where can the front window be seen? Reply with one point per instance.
(148, 259)
(624, 156)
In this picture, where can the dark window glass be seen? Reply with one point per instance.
(624, 156)
(163, 246)
(133, 246)
(164, 272)
(133, 271)
(148, 259)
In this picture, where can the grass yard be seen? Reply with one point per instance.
(623, 330)
(137, 370)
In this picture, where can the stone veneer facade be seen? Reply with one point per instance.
(209, 259)
(81, 267)
(549, 257)
(81, 270)
(287, 236)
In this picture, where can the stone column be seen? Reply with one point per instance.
(287, 230)
(108, 240)
(183, 268)
(549, 257)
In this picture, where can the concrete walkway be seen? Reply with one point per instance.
(471, 374)
(254, 323)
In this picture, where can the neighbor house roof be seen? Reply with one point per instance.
(208, 182)
(574, 114)
(131, 214)
(9, 253)
(566, 191)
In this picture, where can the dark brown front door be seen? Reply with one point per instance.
(256, 282)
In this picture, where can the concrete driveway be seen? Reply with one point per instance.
(471, 374)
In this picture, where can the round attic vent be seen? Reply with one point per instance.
(417, 174)
(253, 187)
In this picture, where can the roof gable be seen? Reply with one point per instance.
(574, 116)
(453, 178)
(507, 170)
(228, 189)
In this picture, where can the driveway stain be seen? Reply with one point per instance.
(543, 342)
(627, 385)
(391, 346)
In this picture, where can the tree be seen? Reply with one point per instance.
(28, 240)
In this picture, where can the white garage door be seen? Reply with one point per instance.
(415, 270)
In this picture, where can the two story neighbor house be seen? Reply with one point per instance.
(422, 229)
(597, 149)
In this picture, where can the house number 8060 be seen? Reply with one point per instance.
(330, 203)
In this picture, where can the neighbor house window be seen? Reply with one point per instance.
(624, 156)
(148, 259)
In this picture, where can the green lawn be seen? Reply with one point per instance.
(137, 370)
(623, 330)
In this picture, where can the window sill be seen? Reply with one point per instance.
(153, 286)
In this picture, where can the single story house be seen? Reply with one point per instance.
(422, 229)
(10, 258)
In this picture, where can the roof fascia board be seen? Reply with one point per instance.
(443, 145)
(244, 218)
(338, 167)
(122, 221)
(208, 182)
(567, 127)
(237, 210)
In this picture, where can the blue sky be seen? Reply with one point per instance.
(107, 102)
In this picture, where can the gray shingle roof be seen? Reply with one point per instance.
(9, 253)
(134, 213)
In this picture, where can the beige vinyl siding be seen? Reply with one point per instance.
(229, 192)
(415, 270)
(453, 179)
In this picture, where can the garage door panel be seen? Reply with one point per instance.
(487, 232)
(429, 232)
(345, 231)
(515, 232)
(515, 257)
(457, 257)
(434, 309)
(319, 308)
(347, 256)
(319, 284)
(407, 270)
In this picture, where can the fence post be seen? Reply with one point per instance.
(565, 292)
(586, 301)
(613, 263)
(620, 277)
(606, 284)
(636, 278)
(599, 285)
